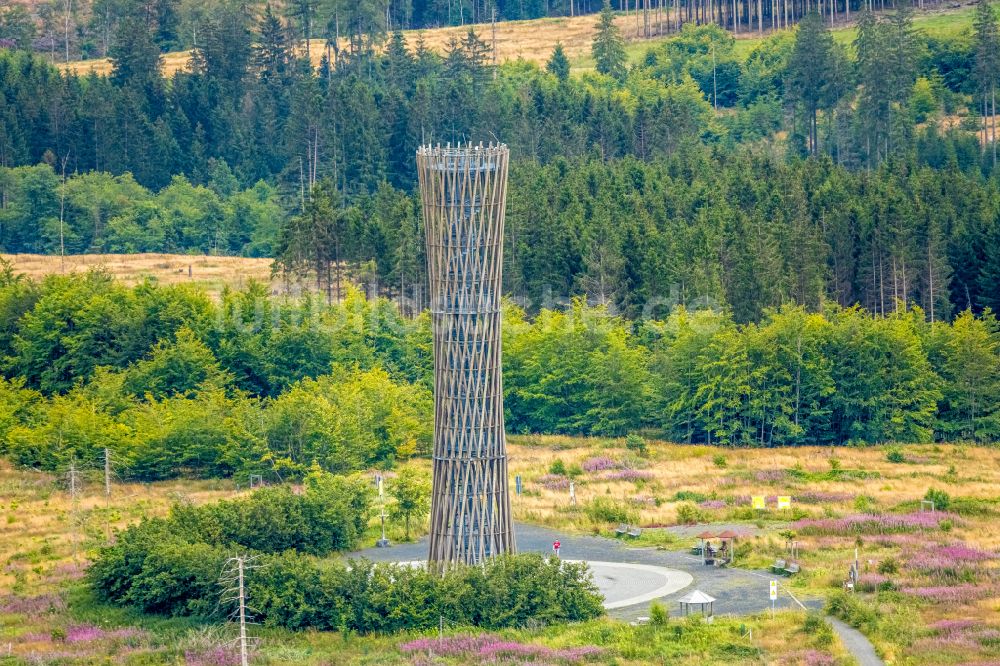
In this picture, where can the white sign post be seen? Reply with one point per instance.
(774, 595)
(383, 542)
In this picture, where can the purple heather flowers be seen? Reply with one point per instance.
(872, 523)
(489, 647)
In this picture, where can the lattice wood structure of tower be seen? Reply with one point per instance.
(464, 191)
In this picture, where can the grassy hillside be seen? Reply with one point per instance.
(534, 40)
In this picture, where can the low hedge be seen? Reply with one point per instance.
(295, 591)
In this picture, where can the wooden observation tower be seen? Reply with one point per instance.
(464, 189)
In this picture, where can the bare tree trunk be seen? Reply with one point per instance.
(993, 105)
(881, 283)
(906, 296)
(930, 278)
(874, 283)
(67, 13)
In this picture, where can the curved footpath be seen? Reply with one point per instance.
(738, 591)
(856, 643)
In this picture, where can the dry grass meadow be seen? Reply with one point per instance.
(47, 617)
(46, 538)
(46, 535)
(534, 40)
(531, 40)
(210, 273)
(676, 469)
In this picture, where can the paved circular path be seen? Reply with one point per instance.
(738, 591)
(624, 584)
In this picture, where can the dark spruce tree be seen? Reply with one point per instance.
(810, 72)
(608, 47)
(558, 64)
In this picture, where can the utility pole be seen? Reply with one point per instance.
(107, 473)
(74, 484)
(233, 580)
(72, 474)
(383, 542)
(243, 615)
(107, 492)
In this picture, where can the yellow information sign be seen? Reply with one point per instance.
(758, 502)
(784, 502)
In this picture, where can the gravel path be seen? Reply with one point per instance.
(856, 643)
(738, 591)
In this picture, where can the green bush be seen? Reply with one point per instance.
(178, 579)
(636, 443)
(888, 566)
(689, 496)
(895, 455)
(940, 498)
(864, 503)
(329, 515)
(719, 461)
(689, 514)
(607, 510)
(658, 615)
(816, 626)
(557, 467)
(852, 610)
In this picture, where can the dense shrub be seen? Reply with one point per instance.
(607, 510)
(689, 514)
(296, 591)
(852, 610)
(895, 455)
(172, 565)
(330, 514)
(940, 498)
